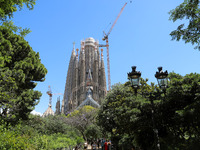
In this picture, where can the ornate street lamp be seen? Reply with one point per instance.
(134, 77)
(162, 78)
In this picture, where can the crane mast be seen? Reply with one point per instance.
(105, 38)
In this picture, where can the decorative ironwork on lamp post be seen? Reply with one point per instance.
(162, 78)
(134, 77)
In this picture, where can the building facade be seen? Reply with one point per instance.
(86, 80)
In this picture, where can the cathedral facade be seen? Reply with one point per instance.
(86, 80)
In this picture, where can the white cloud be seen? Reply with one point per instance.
(36, 113)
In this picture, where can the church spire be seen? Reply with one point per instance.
(96, 74)
(82, 75)
(95, 65)
(75, 81)
(69, 80)
(102, 77)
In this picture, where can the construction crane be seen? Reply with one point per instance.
(49, 92)
(105, 38)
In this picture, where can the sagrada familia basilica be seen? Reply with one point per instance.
(86, 79)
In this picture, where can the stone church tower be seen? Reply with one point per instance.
(86, 80)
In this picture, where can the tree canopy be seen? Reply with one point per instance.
(152, 117)
(83, 119)
(20, 70)
(46, 133)
(190, 31)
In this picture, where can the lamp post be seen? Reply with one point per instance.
(134, 76)
(162, 79)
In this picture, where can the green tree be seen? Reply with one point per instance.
(151, 117)
(8, 7)
(39, 133)
(55, 124)
(92, 132)
(16, 29)
(82, 119)
(181, 112)
(20, 70)
(188, 10)
(122, 115)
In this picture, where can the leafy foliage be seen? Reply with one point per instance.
(7, 7)
(92, 132)
(189, 10)
(17, 30)
(20, 69)
(122, 115)
(150, 117)
(34, 134)
(10, 139)
(55, 124)
(83, 119)
(183, 110)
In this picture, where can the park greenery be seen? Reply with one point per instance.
(84, 120)
(39, 133)
(20, 70)
(189, 31)
(20, 66)
(7, 8)
(133, 120)
(51, 132)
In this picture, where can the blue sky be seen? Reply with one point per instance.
(140, 37)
